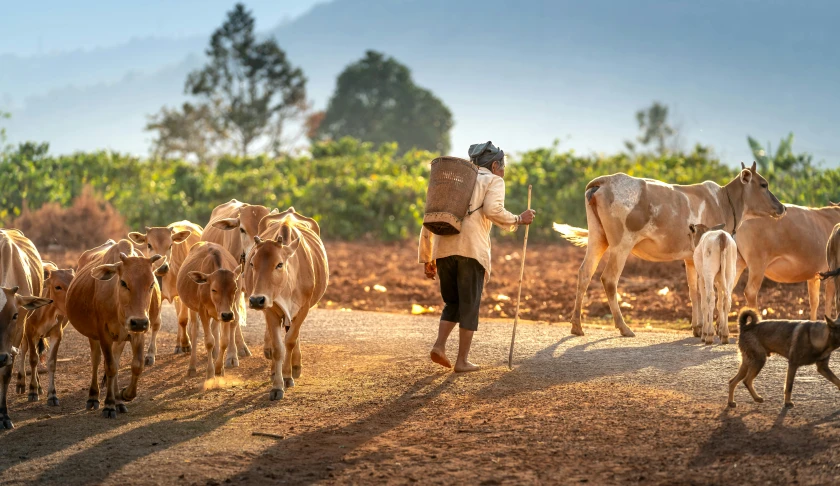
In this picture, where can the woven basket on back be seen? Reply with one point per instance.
(451, 185)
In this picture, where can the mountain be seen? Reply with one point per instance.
(519, 73)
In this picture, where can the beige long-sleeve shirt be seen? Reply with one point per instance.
(474, 239)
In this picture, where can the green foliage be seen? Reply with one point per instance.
(377, 101)
(3, 115)
(654, 127)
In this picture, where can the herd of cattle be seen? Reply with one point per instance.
(276, 259)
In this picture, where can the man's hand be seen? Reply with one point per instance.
(431, 270)
(527, 217)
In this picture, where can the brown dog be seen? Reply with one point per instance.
(801, 342)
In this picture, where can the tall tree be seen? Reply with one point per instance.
(3, 115)
(250, 85)
(654, 127)
(188, 132)
(377, 101)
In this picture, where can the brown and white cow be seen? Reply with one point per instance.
(649, 218)
(48, 321)
(233, 225)
(173, 242)
(286, 275)
(21, 284)
(114, 299)
(208, 284)
(788, 250)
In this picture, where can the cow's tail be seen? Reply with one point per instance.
(747, 319)
(576, 236)
(43, 346)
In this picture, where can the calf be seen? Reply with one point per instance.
(801, 342)
(173, 242)
(21, 284)
(113, 300)
(48, 321)
(286, 274)
(207, 284)
(715, 259)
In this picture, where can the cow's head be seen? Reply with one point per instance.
(267, 269)
(159, 241)
(696, 232)
(13, 311)
(756, 196)
(57, 281)
(223, 290)
(136, 283)
(247, 223)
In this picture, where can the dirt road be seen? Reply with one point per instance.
(371, 408)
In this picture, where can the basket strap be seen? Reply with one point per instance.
(469, 213)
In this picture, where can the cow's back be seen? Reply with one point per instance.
(228, 239)
(20, 263)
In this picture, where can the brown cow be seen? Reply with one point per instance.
(233, 225)
(788, 250)
(208, 285)
(649, 218)
(173, 242)
(21, 283)
(48, 321)
(286, 275)
(113, 300)
(832, 256)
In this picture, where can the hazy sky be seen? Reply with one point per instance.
(46, 26)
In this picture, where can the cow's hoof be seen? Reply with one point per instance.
(192, 373)
(109, 413)
(761, 400)
(92, 404)
(150, 360)
(288, 382)
(577, 330)
(243, 352)
(178, 350)
(789, 405)
(276, 394)
(296, 371)
(20, 389)
(121, 408)
(724, 340)
(267, 352)
(186, 349)
(33, 397)
(7, 423)
(696, 331)
(40, 390)
(52, 401)
(732, 404)
(232, 362)
(626, 332)
(708, 341)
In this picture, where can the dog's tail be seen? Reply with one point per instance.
(829, 274)
(747, 319)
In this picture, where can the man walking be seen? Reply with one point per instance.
(462, 261)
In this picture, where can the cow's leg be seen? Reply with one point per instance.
(297, 367)
(34, 386)
(241, 348)
(130, 392)
(708, 309)
(291, 342)
(184, 321)
(232, 360)
(21, 366)
(700, 305)
(56, 335)
(814, 296)
(155, 327)
(694, 295)
(595, 249)
(609, 278)
(274, 323)
(724, 306)
(93, 392)
(193, 328)
(118, 348)
(111, 364)
(224, 330)
(756, 276)
(830, 305)
(5, 380)
(210, 335)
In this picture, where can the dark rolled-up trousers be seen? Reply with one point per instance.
(461, 284)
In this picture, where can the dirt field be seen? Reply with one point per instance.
(371, 408)
(548, 294)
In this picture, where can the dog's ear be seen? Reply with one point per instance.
(831, 324)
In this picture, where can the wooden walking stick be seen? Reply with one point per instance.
(519, 296)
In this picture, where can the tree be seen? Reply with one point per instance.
(251, 86)
(654, 127)
(191, 131)
(376, 100)
(783, 160)
(3, 115)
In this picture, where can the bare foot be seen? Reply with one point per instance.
(466, 367)
(439, 356)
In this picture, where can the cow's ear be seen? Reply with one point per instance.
(14, 289)
(31, 303)
(274, 211)
(292, 247)
(226, 224)
(47, 273)
(692, 228)
(123, 257)
(137, 238)
(181, 236)
(746, 176)
(198, 277)
(106, 272)
(718, 227)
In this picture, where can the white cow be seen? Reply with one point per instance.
(715, 258)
